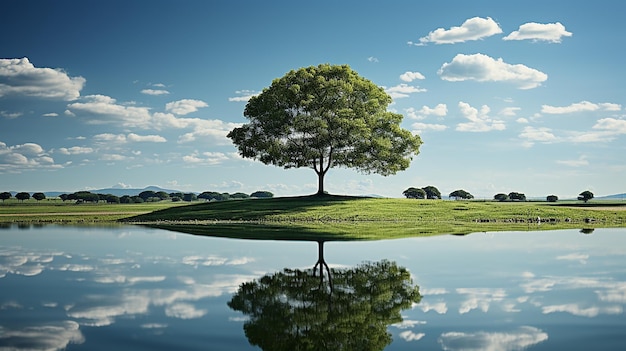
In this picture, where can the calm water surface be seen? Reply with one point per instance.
(132, 288)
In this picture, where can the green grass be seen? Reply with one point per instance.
(326, 217)
(57, 211)
(353, 218)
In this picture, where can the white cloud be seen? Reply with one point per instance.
(509, 111)
(419, 127)
(532, 134)
(51, 114)
(104, 109)
(616, 126)
(580, 162)
(372, 59)
(21, 77)
(479, 298)
(550, 32)
(244, 95)
(582, 258)
(51, 336)
(75, 150)
(441, 110)
(408, 335)
(409, 76)
(146, 138)
(577, 310)
(17, 158)
(519, 339)
(184, 311)
(10, 115)
(185, 106)
(472, 29)
(439, 307)
(403, 90)
(580, 107)
(206, 158)
(155, 92)
(482, 68)
(479, 121)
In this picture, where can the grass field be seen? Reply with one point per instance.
(327, 217)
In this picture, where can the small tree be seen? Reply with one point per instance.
(585, 196)
(39, 196)
(501, 197)
(552, 198)
(262, 194)
(189, 197)
(5, 196)
(22, 196)
(414, 193)
(461, 194)
(517, 196)
(432, 192)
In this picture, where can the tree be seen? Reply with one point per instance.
(552, 198)
(5, 196)
(501, 197)
(239, 196)
(517, 196)
(414, 193)
(262, 194)
(432, 192)
(22, 196)
(112, 199)
(39, 196)
(298, 310)
(585, 196)
(323, 117)
(461, 194)
(190, 197)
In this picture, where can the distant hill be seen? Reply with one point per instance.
(117, 191)
(621, 196)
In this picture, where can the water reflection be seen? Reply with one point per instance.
(350, 309)
(131, 288)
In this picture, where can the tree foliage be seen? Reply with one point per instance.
(262, 194)
(22, 196)
(5, 195)
(414, 193)
(39, 196)
(552, 198)
(585, 196)
(461, 194)
(501, 197)
(322, 117)
(517, 196)
(432, 192)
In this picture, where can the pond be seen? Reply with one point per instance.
(135, 288)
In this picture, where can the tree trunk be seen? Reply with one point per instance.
(320, 183)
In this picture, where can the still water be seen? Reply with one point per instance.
(133, 288)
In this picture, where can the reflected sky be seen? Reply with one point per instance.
(133, 288)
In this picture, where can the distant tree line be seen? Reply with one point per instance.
(144, 196)
(431, 192)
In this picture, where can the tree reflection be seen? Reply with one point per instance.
(350, 310)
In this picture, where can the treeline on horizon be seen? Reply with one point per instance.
(431, 192)
(144, 196)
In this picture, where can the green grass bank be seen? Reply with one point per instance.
(355, 218)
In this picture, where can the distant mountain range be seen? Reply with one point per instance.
(621, 196)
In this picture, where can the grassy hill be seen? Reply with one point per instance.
(342, 217)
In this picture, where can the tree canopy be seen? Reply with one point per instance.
(414, 193)
(322, 117)
(585, 196)
(461, 194)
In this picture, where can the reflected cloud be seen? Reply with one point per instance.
(411, 336)
(582, 258)
(479, 298)
(16, 261)
(184, 311)
(53, 336)
(577, 310)
(197, 261)
(518, 339)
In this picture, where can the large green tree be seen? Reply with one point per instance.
(322, 117)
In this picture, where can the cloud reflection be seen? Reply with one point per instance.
(52, 336)
(518, 339)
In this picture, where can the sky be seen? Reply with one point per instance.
(522, 97)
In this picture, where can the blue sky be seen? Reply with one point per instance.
(525, 96)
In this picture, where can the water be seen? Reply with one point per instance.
(133, 288)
